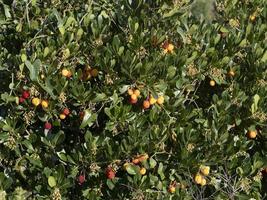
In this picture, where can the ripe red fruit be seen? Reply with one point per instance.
(133, 101)
(48, 125)
(81, 179)
(21, 100)
(25, 94)
(110, 174)
(66, 111)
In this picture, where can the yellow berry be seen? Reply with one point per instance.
(252, 18)
(142, 171)
(170, 47)
(205, 170)
(126, 165)
(231, 73)
(36, 101)
(203, 182)
(66, 73)
(212, 83)
(44, 103)
(62, 116)
(130, 91)
(198, 178)
(152, 100)
(160, 100)
(172, 189)
(137, 92)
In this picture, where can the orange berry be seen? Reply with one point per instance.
(252, 134)
(171, 189)
(231, 73)
(135, 161)
(133, 101)
(137, 93)
(66, 111)
(146, 104)
(66, 73)
(143, 157)
(134, 97)
(62, 116)
(170, 47)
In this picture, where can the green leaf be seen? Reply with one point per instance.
(52, 181)
(46, 51)
(88, 119)
(33, 68)
(254, 106)
(152, 163)
(264, 57)
(131, 169)
(110, 184)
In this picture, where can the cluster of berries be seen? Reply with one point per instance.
(200, 176)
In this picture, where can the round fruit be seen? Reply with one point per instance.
(142, 171)
(66, 73)
(143, 157)
(152, 100)
(21, 100)
(44, 103)
(94, 72)
(133, 101)
(25, 94)
(252, 134)
(126, 165)
(66, 111)
(81, 179)
(110, 174)
(171, 189)
(137, 93)
(205, 170)
(203, 182)
(135, 161)
(48, 125)
(231, 73)
(160, 100)
(198, 178)
(130, 91)
(134, 97)
(36, 101)
(62, 116)
(146, 104)
(170, 47)
(212, 83)
(252, 18)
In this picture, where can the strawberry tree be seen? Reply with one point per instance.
(133, 99)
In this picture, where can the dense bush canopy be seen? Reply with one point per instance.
(133, 99)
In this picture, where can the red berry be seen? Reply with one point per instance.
(133, 101)
(81, 179)
(25, 94)
(21, 99)
(110, 174)
(66, 111)
(48, 126)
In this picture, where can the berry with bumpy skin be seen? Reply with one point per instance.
(203, 182)
(66, 111)
(66, 73)
(48, 125)
(252, 134)
(152, 100)
(36, 101)
(135, 161)
(146, 104)
(44, 103)
(142, 171)
(205, 170)
(130, 91)
(137, 92)
(133, 101)
(126, 165)
(81, 179)
(170, 48)
(212, 83)
(133, 97)
(143, 157)
(62, 116)
(94, 72)
(198, 178)
(21, 100)
(110, 174)
(160, 100)
(252, 17)
(171, 189)
(26, 94)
